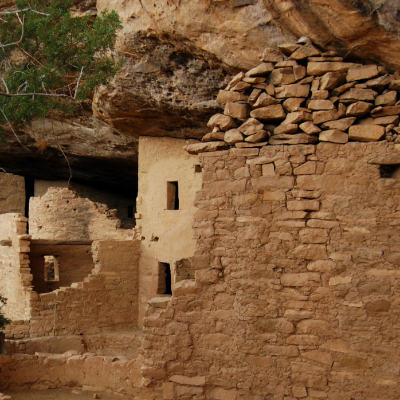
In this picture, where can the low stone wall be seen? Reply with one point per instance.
(88, 371)
(296, 284)
(106, 300)
(15, 275)
(60, 214)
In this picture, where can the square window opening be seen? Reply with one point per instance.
(197, 168)
(51, 269)
(172, 196)
(164, 279)
(390, 171)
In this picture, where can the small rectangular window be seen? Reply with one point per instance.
(172, 196)
(164, 279)
(51, 269)
(130, 211)
(197, 168)
(390, 171)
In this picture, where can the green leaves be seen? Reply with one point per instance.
(51, 61)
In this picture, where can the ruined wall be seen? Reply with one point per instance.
(110, 197)
(75, 263)
(61, 214)
(106, 300)
(297, 280)
(15, 277)
(167, 235)
(71, 369)
(12, 193)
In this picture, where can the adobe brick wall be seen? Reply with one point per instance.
(12, 198)
(297, 281)
(15, 276)
(89, 307)
(60, 214)
(71, 369)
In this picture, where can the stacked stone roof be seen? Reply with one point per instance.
(300, 95)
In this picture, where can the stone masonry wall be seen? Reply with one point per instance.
(71, 370)
(12, 193)
(89, 307)
(297, 280)
(15, 276)
(60, 214)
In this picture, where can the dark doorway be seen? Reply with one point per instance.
(172, 196)
(164, 279)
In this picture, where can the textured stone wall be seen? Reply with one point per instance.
(166, 235)
(12, 193)
(106, 300)
(60, 214)
(15, 276)
(71, 369)
(297, 280)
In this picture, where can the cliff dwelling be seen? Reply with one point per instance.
(256, 258)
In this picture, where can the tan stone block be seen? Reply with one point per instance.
(319, 356)
(296, 315)
(191, 381)
(309, 128)
(320, 95)
(253, 79)
(269, 113)
(213, 136)
(313, 327)
(168, 391)
(280, 182)
(339, 280)
(254, 95)
(358, 109)
(228, 96)
(236, 110)
(307, 168)
(316, 105)
(333, 136)
(262, 69)
(332, 80)
(321, 68)
(341, 124)
(233, 136)
(357, 94)
(264, 100)
(274, 196)
(378, 306)
(296, 90)
(303, 340)
(221, 187)
(387, 99)
(310, 252)
(224, 394)
(384, 111)
(282, 76)
(299, 138)
(241, 86)
(244, 152)
(283, 351)
(303, 205)
(361, 73)
(185, 288)
(271, 54)
(299, 391)
(235, 80)
(292, 104)
(206, 276)
(258, 137)
(305, 51)
(268, 170)
(296, 117)
(385, 121)
(323, 116)
(251, 126)
(311, 235)
(285, 128)
(263, 362)
(301, 279)
(222, 121)
(366, 133)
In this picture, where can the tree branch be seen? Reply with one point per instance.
(22, 33)
(5, 84)
(9, 124)
(24, 9)
(35, 94)
(77, 83)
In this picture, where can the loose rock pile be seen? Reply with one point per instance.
(299, 95)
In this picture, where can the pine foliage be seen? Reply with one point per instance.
(50, 61)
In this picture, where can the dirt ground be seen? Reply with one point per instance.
(60, 394)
